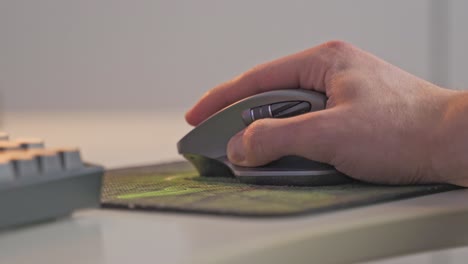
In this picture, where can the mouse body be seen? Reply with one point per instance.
(205, 146)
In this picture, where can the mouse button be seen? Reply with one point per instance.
(259, 112)
(280, 107)
(247, 117)
(297, 109)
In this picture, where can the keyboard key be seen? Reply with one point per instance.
(9, 145)
(71, 158)
(49, 160)
(30, 143)
(3, 135)
(24, 163)
(7, 172)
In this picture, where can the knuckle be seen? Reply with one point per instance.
(339, 55)
(338, 52)
(337, 46)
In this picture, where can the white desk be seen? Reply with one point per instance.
(112, 236)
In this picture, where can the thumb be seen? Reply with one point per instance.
(309, 135)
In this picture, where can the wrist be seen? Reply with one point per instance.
(450, 142)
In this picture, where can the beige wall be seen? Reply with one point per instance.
(157, 54)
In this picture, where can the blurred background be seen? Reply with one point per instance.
(115, 76)
(163, 54)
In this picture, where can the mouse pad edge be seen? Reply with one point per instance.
(175, 187)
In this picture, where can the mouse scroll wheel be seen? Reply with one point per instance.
(276, 110)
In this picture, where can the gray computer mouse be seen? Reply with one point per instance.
(205, 146)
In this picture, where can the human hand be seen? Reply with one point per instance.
(381, 124)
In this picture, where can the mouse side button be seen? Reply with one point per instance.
(297, 109)
(275, 110)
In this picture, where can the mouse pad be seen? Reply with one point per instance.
(177, 187)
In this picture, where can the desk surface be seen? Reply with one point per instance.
(112, 236)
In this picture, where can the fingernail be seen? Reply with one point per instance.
(235, 149)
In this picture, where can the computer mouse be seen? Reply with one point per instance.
(205, 146)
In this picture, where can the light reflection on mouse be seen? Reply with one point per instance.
(205, 146)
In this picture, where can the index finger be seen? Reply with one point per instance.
(306, 70)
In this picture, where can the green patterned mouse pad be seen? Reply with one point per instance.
(177, 187)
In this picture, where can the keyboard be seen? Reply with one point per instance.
(39, 183)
